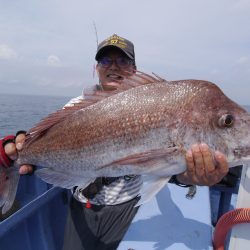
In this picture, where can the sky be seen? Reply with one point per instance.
(48, 47)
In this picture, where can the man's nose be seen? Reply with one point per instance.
(113, 65)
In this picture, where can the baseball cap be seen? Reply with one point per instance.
(121, 43)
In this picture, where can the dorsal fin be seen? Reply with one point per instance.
(90, 98)
(132, 81)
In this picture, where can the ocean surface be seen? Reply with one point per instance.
(21, 112)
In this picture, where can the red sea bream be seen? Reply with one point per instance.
(142, 128)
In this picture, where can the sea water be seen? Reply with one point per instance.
(22, 112)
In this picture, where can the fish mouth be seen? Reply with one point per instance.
(242, 152)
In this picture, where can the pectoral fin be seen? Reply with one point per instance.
(62, 179)
(148, 155)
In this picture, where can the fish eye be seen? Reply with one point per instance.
(226, 120)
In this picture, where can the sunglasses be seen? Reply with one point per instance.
(120, 61)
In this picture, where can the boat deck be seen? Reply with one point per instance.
(171, 221)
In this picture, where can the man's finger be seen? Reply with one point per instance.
(186, 177)
(190, 162)
(25, 169)
(198, 160)
(222, 164)
(20, 140)
(10, 150)
(208, 160)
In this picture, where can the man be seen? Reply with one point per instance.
(101, 213)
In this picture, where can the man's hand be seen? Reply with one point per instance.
(203, 168)
(11, 149)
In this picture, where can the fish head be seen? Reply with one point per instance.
(222, 124)
(233, 133)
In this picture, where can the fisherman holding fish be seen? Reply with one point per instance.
(101, 213)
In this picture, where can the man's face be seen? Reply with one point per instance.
(113, 66)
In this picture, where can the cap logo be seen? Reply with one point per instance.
(116, 40)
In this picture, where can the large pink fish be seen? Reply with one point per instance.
(142, 128)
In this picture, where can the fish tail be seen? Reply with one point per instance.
(9, 178)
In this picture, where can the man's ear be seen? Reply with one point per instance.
(97, 68)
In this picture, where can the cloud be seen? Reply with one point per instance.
(241, 5)
(242, 60)
(214, 71)
(6, 52)
(54, 61)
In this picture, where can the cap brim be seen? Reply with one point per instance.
(105, 48)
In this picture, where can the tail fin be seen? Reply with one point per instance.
(9, 178)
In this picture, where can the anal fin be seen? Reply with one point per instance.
(150, 187)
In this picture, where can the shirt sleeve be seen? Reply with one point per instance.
(74, 101)
(81, 97)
